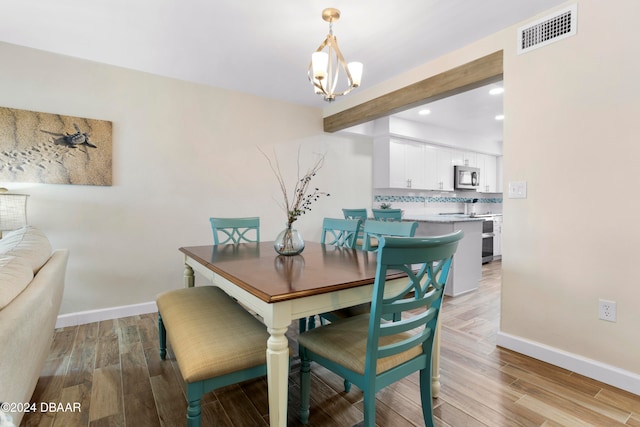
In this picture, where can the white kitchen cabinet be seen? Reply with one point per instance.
(445, 169)
(464, 158)
(439, 168)
(399, 164)
(499, 174)
(488, 173)
(414, 164)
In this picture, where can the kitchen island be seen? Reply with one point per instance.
(466, 270)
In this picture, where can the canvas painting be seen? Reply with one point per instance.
(54, 149)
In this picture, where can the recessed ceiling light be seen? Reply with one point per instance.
(496, 91)
(424, 112)
(500, 117)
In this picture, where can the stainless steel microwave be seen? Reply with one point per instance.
(466, 178)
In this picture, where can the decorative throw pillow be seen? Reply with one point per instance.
(15, 276)
(28, 243)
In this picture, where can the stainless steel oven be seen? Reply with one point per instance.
(487, 240)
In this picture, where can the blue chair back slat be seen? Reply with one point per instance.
(360, 214)
(387, 214)
(340, 232)
(235, 230)
(377, 229)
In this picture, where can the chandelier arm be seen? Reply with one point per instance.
(342, 61)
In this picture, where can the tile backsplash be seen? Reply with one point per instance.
(435, 202)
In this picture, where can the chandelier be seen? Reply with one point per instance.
(324, 69)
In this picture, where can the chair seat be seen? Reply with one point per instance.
(356, 310)
(344, 313)
(345, 342)
(373, 243)
(212, 335)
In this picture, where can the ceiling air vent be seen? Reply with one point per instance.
(550, 29)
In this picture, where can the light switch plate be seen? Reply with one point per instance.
(518, 190)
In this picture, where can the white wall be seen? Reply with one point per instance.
(571, 132)
(182, 153)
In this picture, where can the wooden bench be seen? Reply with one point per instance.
(216, 342)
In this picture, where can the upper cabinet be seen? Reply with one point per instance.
(414, 165)
(399, 164)
(464, 158)
(438, 168)
(488, 173)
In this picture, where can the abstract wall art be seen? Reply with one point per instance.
(54, 149)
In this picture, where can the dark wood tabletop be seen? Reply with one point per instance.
(258, 269)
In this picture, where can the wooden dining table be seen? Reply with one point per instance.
(281, 289)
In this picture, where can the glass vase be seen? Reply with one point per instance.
(289, 242)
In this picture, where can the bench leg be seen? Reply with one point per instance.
(194, 395)
(162, 334)
(193, 413)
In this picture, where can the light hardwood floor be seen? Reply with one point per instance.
(112, 368)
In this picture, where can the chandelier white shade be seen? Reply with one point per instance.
(325, 66)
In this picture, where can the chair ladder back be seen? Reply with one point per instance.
(427, 270)
(387, 214)
(360, 214)
(235, 230)
(377, 229)
(340, 232)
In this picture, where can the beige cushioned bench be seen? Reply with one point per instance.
(216, 342)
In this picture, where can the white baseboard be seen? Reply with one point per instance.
(82, 317)
(599, 371)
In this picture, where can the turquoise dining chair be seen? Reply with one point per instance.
(387, 214)
(335, 232)
(373, 232)
(372, 352)
(374, 229)
(340, 232)
(360, 214)
(235, 230)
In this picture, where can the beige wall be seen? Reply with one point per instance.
(182, 153)
(571, 132)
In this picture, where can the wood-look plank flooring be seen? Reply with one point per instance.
(113, 370)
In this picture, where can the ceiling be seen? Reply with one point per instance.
(256, 46)
(473, 112)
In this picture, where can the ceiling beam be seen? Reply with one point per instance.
(471, 75)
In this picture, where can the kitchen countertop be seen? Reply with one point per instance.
(442, 218)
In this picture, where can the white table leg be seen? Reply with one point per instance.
(278, 376)
(189, 278)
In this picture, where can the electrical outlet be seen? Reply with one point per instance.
(607, 310)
